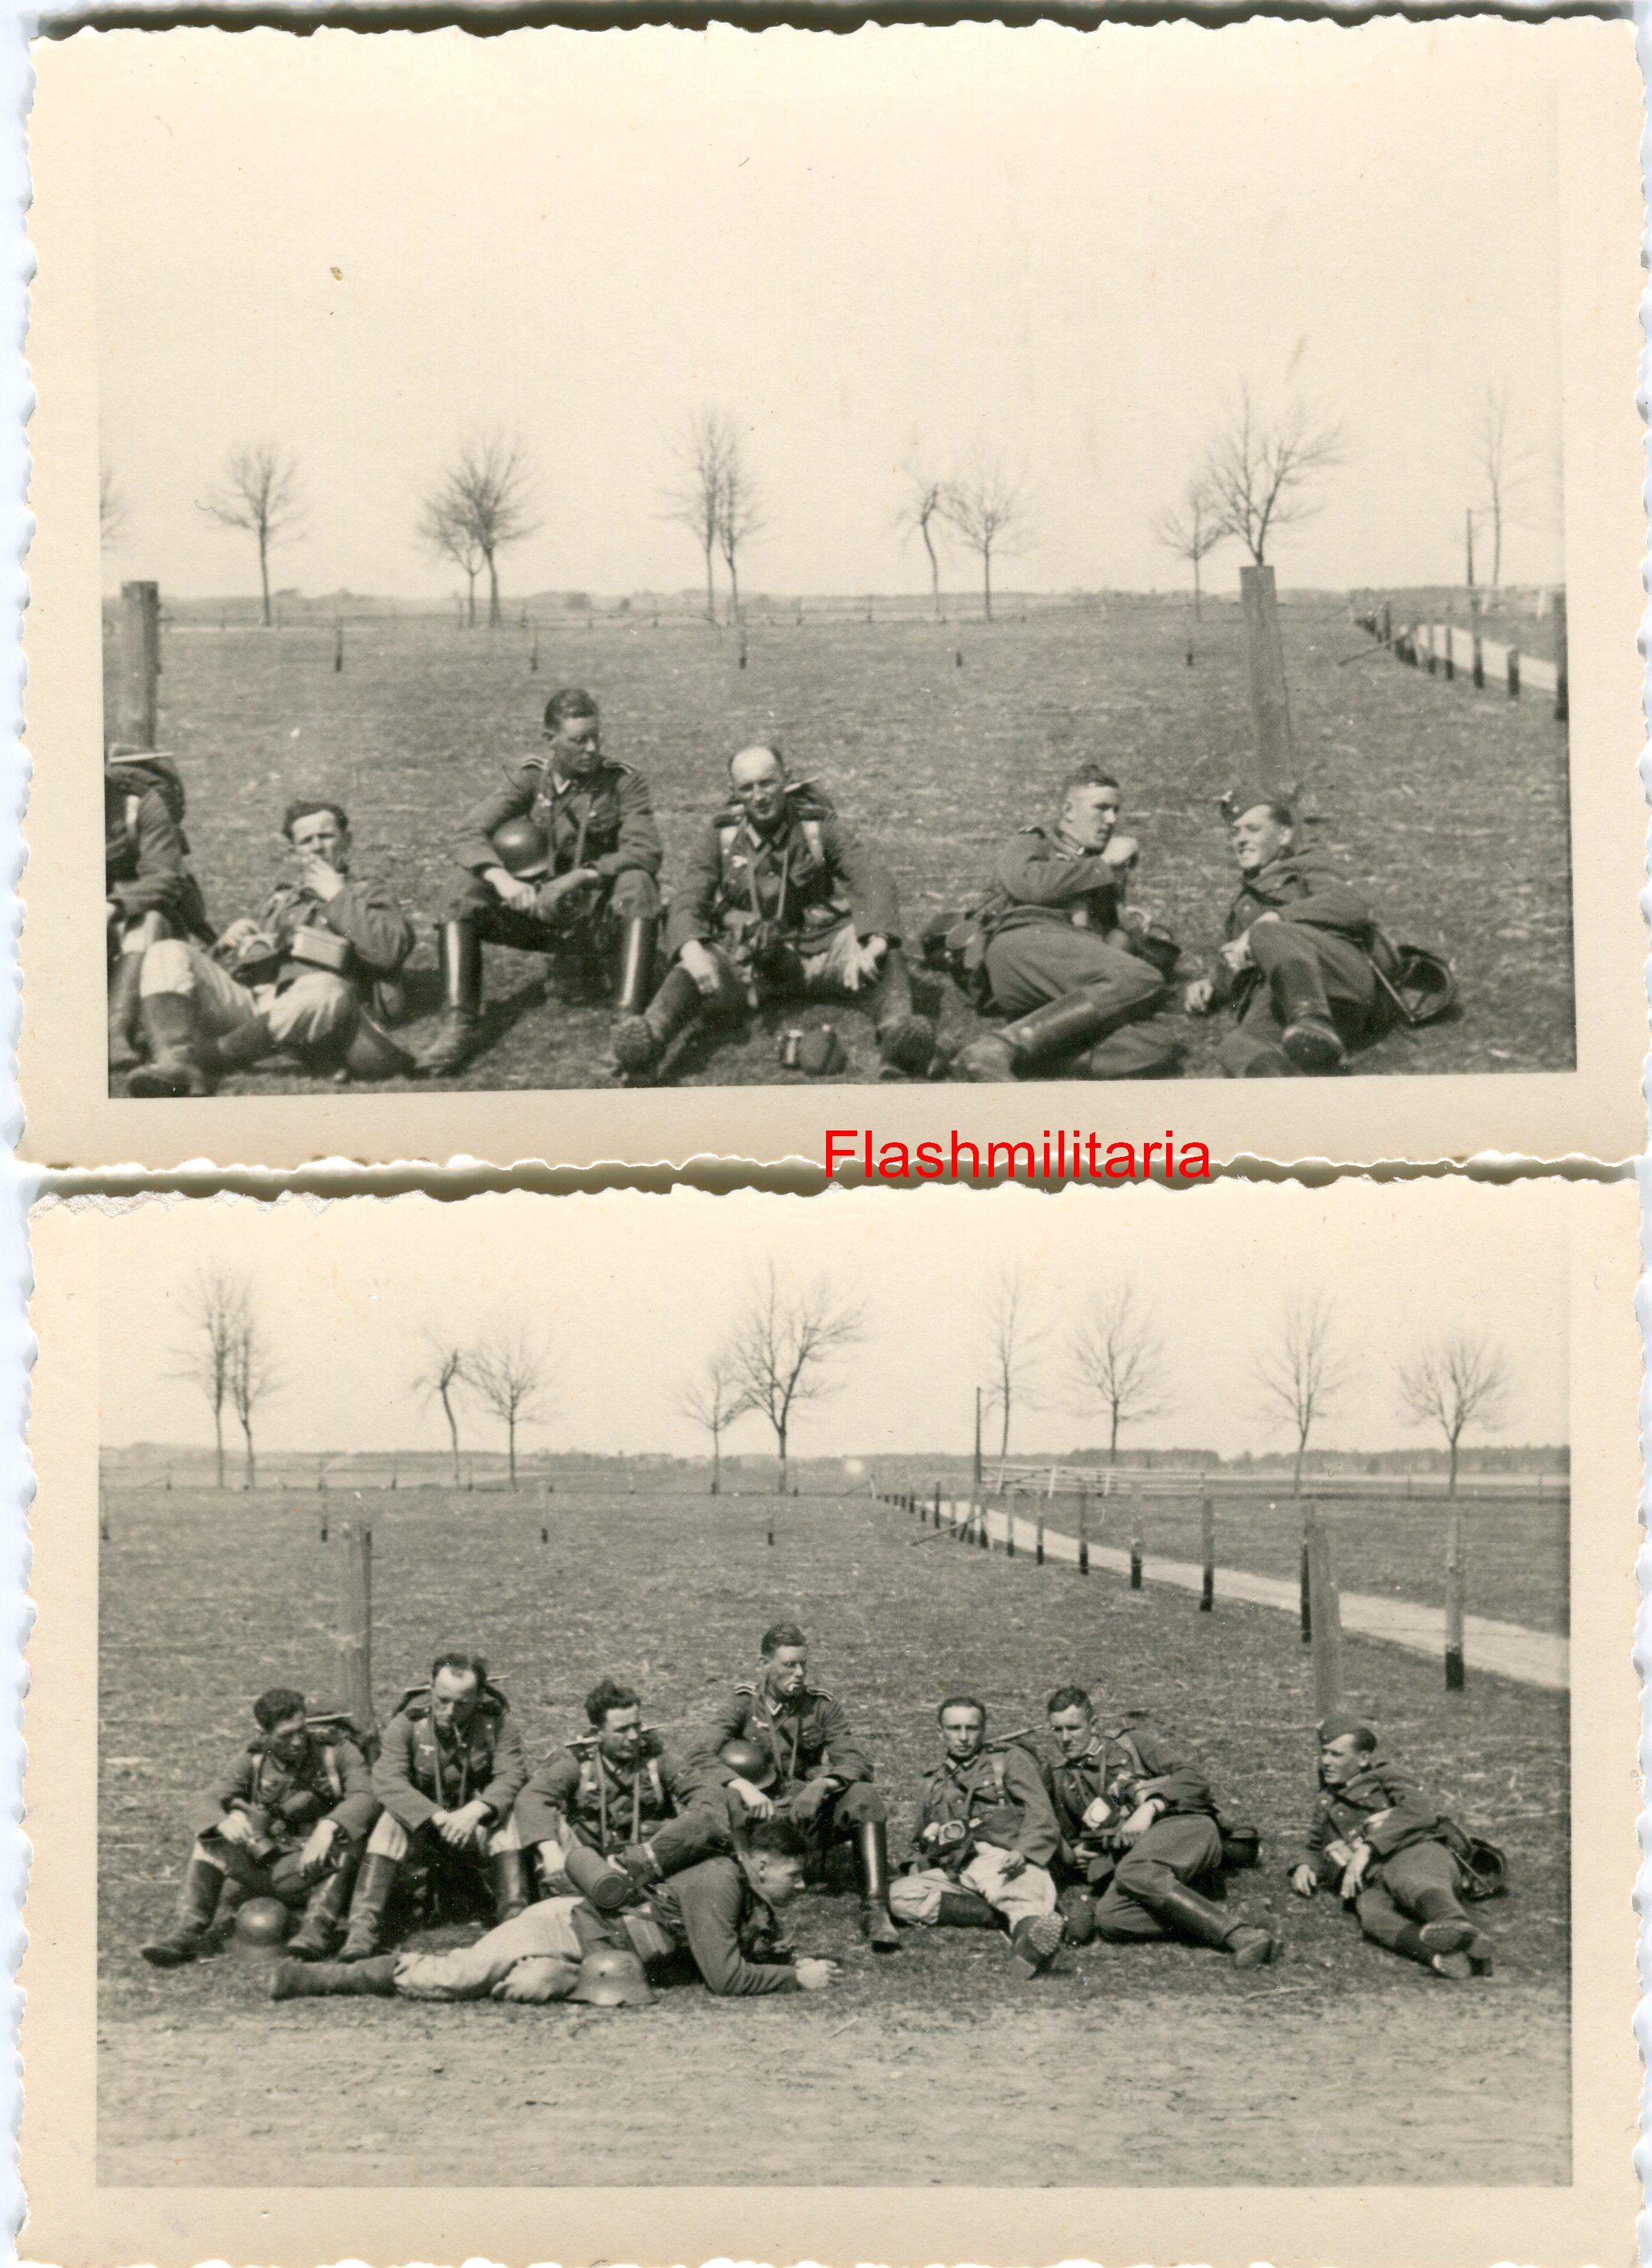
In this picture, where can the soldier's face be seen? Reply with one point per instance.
(576, 746)
(759, 779)
(788, 1666)
(774, 1876)
(285, 1740)
(453, 1698)
(1257, 837)
(1340, 1760)
(317, 835)
(1072, 1729)
(1091, 818)
(963, 1733)
(621, 1738)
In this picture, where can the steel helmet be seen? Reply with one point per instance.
(263, 1921)
(611, 1977)
(523, 848)
(750, 1760)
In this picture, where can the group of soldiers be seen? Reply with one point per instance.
(624, 1861)
(781, 902)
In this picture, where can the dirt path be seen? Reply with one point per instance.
(1504, 1649)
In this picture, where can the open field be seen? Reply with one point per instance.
(1138, 2066)
(936, 741)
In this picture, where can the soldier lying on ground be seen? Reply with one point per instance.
(449, 1770)
(561, 860)
(780, 902)
(798, 1760)
(615, 1812)
(1082, 973)
(1139, 1826)
(1304, 964)
(287, 1822)
(717, 1919)
(1395, 1858)
(314, 974)
(151, 889)
(984, 1841)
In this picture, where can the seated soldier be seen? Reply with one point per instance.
(563, 860)
(1397, 1859)
(313, 976)
(984, 1842)
(288, 1822)
(449, 1770)
(1304, 964)
(1140, 1825)
(151, 889)
(783, 1748)
(719, 1915)
(780, 902)
(614, 1813)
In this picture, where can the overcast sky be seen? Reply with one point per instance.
(1071, 248)
(634, 1288)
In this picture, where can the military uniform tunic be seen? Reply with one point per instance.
(1417, 1873)
(809, 1740)
(678, 1814)
(286, 1802)
(1319, 958)
(1122, 1769)
(603, 820)
(423, 1770)
(974, 1820)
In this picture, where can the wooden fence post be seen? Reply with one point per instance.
(338, 647)
(1449, 648)
(1306, 1604)
(1327, 1623)
(1207, 1545)
(1270, 706)
(1135, 1548)
(937, 1503)
(1478, 655)
(137, 698)
(1562, 678)
(1514, 672)
(353, 1636)
(1084, 1528)
(1009, 1528)
(1454, 1589)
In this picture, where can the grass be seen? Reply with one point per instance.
(936, 742)
(208, 1598)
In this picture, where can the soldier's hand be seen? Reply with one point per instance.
(1015, 1863)
(700, 966)
(563, 886)
(1340, 1854)
(236, 1827)
(1304, 1880)
(321, 880)
(756, 1804)
(1131, 1829)
(1353, 1873)
(317, 1845)
(1121, 851)
(1235, 954)
(869, 954)
(814, 1976)
(1199, 997)
(238, 933)
(518, 895)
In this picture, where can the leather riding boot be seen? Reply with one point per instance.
(637, 964)
(1186, 1914)
(1037, 1942)
(512, 1886)
(459, 957)
(872, 1864)
(196, 1904)
(173, 1067)
(640, 1042)
(373, 1885)
(906, 1041)
(302, 1980)
(1059, 1028)
(239, 1050)
(1311, 1041)
(324, 1913)
(124, 978)
(964, 1910)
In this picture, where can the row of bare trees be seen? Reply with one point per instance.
(775, 1359)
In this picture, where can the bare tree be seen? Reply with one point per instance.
(258, 489)
(217, 1306)
(444, 1374)
(1263, 472)
(1190, 530)
(713, 1400)
(1302, 1369)
(1117, 1360)
(507, 1369)
(923, 508)
(1500, 463)
(986, 506)
(1456, 1381)
(1012, 1334)
(489, 494)
(739, 512)
(782, 1348)
(111, 510)
(446, 529)
(255, 1375)
(702, 451)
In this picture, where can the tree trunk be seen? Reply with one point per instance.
(733, 590)
(1497, 543)
(1451, 1484)
(935, 568)
(471, 597)
(494, 618)
(711, 588)
(1296, 1477)
(1198, 603)
(510, 1426)
(1003, 1435)
(252, 1462)
(217, 1428)
(1112, 1442)
(986, 582)
(263, 573)
(717, 1460)
(780, 1485)
(452, 1429)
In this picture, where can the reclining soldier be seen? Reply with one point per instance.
(288, 1820)
(1395, 1858)
(449, 1770)
(1140, 1832)
(1080, 973)
(315, 975)
(984, 1842)
(797, 1759)
(717, 1918)
(1304, 967)
(614, 1813)
(561, 860)
(149, 886)
(780, 902)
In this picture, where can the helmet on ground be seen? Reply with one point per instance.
(263, 1921)
(750, 1760)
(523, 848)
(820, 1052)
(611, 1977)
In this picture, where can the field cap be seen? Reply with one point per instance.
(1336, 1729)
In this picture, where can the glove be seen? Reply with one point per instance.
(812, 1798)
(538, 1978)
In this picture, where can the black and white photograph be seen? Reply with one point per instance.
(687, 563)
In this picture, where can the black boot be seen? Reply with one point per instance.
(373, 1885)
(324, 1913)
(459, 957)
(640, 1041)
(636, 964)
(1185, 1913)
(512, 1888)
(1037, 1942)
(1059, 1028)
(872, 1864)
(173, 1067)
(1310, 1040)
(964, 1910)
(906, 1041)
(124, 978)
(196, 1906)
(239, 1050)
(302, 1980)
